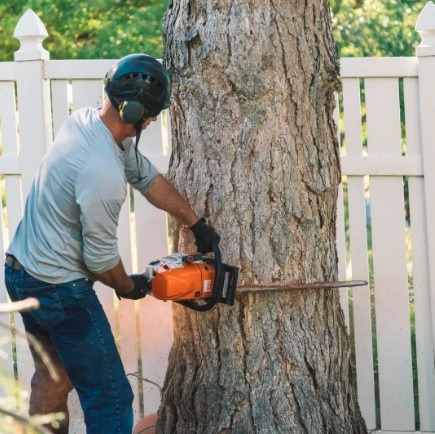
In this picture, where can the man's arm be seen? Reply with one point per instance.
(117, 279)
(165, 196)
(133, 286)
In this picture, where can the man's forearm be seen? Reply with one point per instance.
(117, 279)
(165, 196)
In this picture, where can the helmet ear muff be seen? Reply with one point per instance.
(131, 111)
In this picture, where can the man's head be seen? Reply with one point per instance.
(139, 87)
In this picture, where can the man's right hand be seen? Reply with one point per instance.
(140, 289)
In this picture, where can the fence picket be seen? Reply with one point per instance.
(8, 117)
(341, 252)
(152, 243)
(341, 231)
(420, 266)
(60, 103)
(426, 95)
(6, 359)
(127, 312)
(87, 93)
(155, 316)
(34, 114)
(361, 305)
(389, 260)
(14, 210)
(152, 145)
(10, 149)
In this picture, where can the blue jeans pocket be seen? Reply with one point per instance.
(50, 313)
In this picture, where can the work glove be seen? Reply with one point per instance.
(141, 287)
(204, 234)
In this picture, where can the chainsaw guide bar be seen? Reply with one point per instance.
(299, 286)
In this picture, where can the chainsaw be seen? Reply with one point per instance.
(187, 278)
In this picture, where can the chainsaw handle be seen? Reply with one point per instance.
(218, 276)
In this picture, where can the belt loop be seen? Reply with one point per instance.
(12, 262)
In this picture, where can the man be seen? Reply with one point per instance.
(67, 240)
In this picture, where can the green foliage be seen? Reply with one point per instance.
(364, 28)
(80, 29)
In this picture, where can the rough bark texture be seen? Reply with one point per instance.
(255, 152)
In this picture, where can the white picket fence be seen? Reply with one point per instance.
(376, 242)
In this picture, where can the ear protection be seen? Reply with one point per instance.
(131, 111)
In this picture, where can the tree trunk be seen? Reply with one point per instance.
(255, 152)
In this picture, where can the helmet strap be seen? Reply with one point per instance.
(114, 104)
(138, 128)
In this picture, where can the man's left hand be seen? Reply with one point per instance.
(204, 235)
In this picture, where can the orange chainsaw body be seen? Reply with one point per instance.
(181, 277)
(193, 280)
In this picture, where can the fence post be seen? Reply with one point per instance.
(426, 84)
(34, 119)
(33, 92)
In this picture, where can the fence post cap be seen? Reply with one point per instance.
(426, 27)
(30, 31)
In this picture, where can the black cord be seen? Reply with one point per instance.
(138, 127)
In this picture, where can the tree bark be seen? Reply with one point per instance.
(255, 151)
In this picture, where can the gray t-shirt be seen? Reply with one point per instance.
(70, 220)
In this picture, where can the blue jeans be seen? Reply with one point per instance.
(74, 330)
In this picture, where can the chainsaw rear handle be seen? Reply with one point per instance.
(218, 276)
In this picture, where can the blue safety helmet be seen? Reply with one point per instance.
(139, 87)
